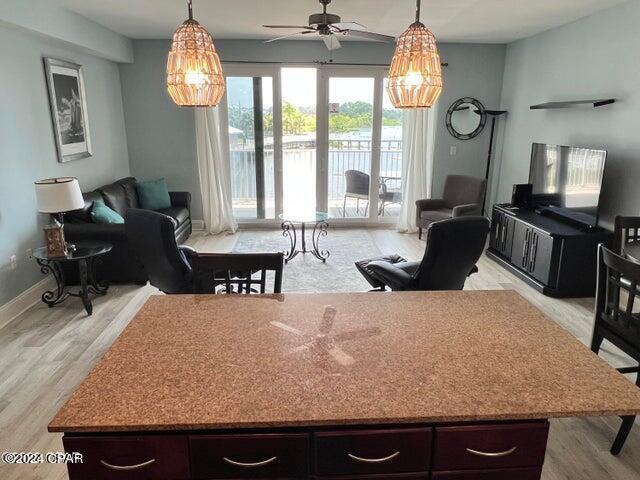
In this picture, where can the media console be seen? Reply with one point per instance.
(555, 257)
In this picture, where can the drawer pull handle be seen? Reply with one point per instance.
(250, 465)
(128, 467)
(374, 460)
(492, 454)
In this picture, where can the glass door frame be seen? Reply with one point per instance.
(324, 72)
(259, 70)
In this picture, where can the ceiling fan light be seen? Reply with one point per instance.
(194, 72)
(415, 74)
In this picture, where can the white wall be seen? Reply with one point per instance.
(592, 58)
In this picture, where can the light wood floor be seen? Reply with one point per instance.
(45, 353)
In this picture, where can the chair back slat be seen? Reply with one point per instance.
(237, 272)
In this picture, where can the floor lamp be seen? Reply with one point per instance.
(494, 115)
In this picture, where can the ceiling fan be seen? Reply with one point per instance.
(329, 26)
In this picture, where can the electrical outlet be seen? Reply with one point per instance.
(453, 150)
(13, 260)
(29, 253)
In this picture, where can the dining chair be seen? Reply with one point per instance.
(617, 318)
(236, 272)
(175, 269)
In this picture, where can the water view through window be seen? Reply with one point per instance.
(347, 159)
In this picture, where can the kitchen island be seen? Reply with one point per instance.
(442, 385)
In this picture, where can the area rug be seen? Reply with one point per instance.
(305, 273)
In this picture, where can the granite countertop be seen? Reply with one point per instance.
(189, 362)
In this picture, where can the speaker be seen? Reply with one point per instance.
(521, 196)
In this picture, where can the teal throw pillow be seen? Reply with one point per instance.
(100, 213)
(153, 195)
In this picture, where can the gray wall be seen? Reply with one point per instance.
(27, 148)
(162, 137)
(591, 58)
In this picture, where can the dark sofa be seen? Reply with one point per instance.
(121, 265)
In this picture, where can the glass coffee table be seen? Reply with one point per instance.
(84, 255)
(320, 226)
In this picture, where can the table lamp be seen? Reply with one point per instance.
(56, 196)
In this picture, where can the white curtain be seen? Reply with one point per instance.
(215, 174)
(418, 134)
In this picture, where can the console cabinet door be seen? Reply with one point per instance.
(540, 255)
(520, 250)
(502, 226)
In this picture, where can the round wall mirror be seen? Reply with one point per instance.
(466, 118)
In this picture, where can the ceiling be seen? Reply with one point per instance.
(490, 21)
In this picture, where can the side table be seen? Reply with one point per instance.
(85, 255)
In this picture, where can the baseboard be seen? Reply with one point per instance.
(25, 300)
(198, 225)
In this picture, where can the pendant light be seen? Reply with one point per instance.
(194, 73)
(415, 75)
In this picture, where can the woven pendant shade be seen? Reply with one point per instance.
(415, 75)
(194, 73)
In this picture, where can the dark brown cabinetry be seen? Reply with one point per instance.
(488, 452)
(556, 258)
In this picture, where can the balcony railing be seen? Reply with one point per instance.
(344, 154)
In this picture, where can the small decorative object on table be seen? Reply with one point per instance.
(56, 196)
(84, 254)
(320, 221)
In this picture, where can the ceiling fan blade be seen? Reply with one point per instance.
(370, 35)
(331, 41)
(348, 26)
(288, 36)
(289, 26)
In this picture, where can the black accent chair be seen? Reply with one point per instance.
(120, 265)
(453, 248)
(615, 320)
(462, 196)
(175, 269)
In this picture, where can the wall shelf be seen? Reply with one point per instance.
(574, 103)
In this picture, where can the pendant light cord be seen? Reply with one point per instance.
(190, 6)
(417, 10)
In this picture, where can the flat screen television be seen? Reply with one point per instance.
(567, 181)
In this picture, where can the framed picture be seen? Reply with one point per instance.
(68, 109)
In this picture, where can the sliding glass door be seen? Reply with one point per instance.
(350, 145)
(305, 139)
(253, 147)
(299, 147)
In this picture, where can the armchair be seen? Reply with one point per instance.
(453, 248)
(462, 197)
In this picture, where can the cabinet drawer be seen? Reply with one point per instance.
(373, 451)
(144, 457)
(505, 474)
(491, 446)
(249, 455)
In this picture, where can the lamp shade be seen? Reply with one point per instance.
(194, 72)
(415, 75)
(57, 195)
